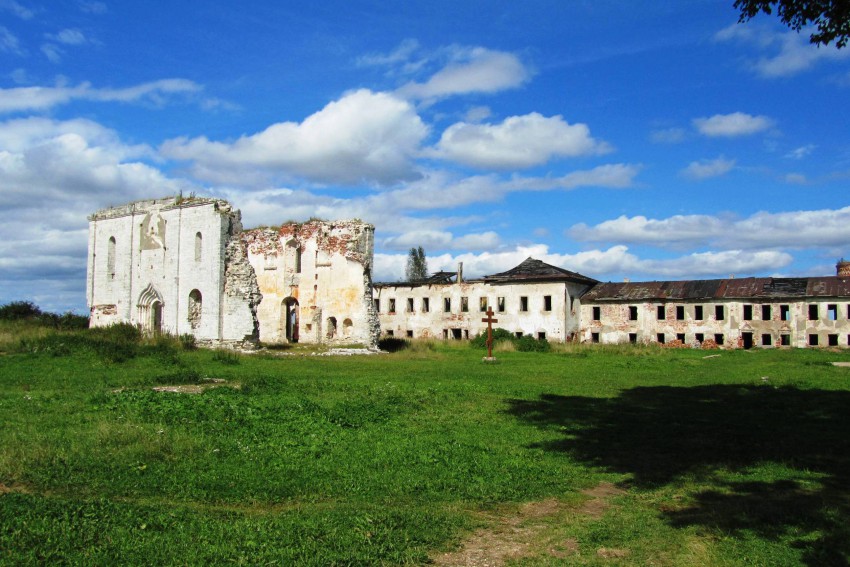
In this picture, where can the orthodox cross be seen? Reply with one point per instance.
(489, 320)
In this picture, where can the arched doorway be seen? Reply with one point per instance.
(289, 319)
(150, 310)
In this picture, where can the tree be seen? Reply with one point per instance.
(832, 17)
(417, 265)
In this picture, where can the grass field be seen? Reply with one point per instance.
(580, 456)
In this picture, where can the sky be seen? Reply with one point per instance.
(615, 138)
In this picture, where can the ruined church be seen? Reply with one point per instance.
(186, 266)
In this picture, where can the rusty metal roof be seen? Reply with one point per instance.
(738, 288)
(531, 270)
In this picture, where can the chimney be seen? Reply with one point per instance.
(460, 272)
(842, 268)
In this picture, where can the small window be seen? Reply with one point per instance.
(680, 312)
(392, 305)
(466, 334)
(813, 340)
(518, 334)
(766, 340)
(377, 303)
(719, 313)
(195, 308)
(483, 304)
(680, 337)
(456, 334)
(699, 337)
(660, 338)
(785, 312)
(662, 314)
(464, 304)
(523, 303)
(447, 305)
(541, 336)
(832, 312)
(748, 312)
(445, 334)
(633, 313)
(766, 313)
(199, 246)
(594, 337)
(547, 303)
(698, 315)
(785, 339)
(500, 304)
(597, 313)
(633, 338)
(718, 338)
(409, 304)
(409, 334)
(813, 312)
(390, 332)
(426, 305)
(832, 340)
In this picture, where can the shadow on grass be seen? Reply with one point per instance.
(662, 435)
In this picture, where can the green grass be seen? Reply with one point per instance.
(741, 459)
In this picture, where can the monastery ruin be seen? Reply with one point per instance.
(186, 266)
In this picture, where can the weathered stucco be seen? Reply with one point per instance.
(172, 265)
(316, 282)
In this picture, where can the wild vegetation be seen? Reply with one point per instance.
(121, 449)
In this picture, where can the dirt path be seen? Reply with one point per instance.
(525, 532)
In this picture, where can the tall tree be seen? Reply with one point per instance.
(417, 265)
(832, 17)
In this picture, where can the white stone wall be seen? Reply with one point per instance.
(614, 324)
(322, 271)
(159, 260)
(556, 323)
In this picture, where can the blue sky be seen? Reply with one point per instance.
(648, 140)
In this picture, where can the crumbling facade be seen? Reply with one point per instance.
(533, 298)
(175, 266)
(185, 266)
(548, 302)
(316, 281)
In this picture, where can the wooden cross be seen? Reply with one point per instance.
(489, 320)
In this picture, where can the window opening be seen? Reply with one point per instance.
(409, 304)
(766, 313)
(660, 338)
(813, 312)
(832, 312)
(426, 305)
(719, 312)
(766, 340)
(482, 304)
(199, 241)
(633, 313)
(464, 304)
(813, 340)
(597, 313)
(392, 305)
(523, 303)
(785, 340)
(748, 312)
(680, 312)
(719, 339)
(698, 315)
(547, 303)
(447, 305)
(633, 338)
(785, 312)
(594, 337)
(661, 312)
(500, 304)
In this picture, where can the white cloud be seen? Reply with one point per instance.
(784, 54)
(16, 8)
(93, 6)
(518, 141)
(400, 54)
(69, 36)
(19, 99)
(52, 52)
(732, 125)
(705, 169)
(362, 137)
(801, 152)
(477, 114)
(471, 70)
(668, 136)
(601, 264)
(442, 240)
(9, 42)
(796, 179)
(796, 229)
(52, 175)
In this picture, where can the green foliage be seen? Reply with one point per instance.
(392, 344)
(386, 460)
(526, 343)
(225, 356)
(187, 342)
(832, 18)
(18, 310)
(417, 265)
(499, 334)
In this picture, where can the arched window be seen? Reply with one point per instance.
(347, 326)
(195, 302)
(199, 242)
(294, 253)
(110, 257)
(331, 327)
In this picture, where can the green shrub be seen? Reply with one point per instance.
(499, 334)
(187, 342)
(527, 343)
(18, 310)
(225, 356)
(393, 344)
